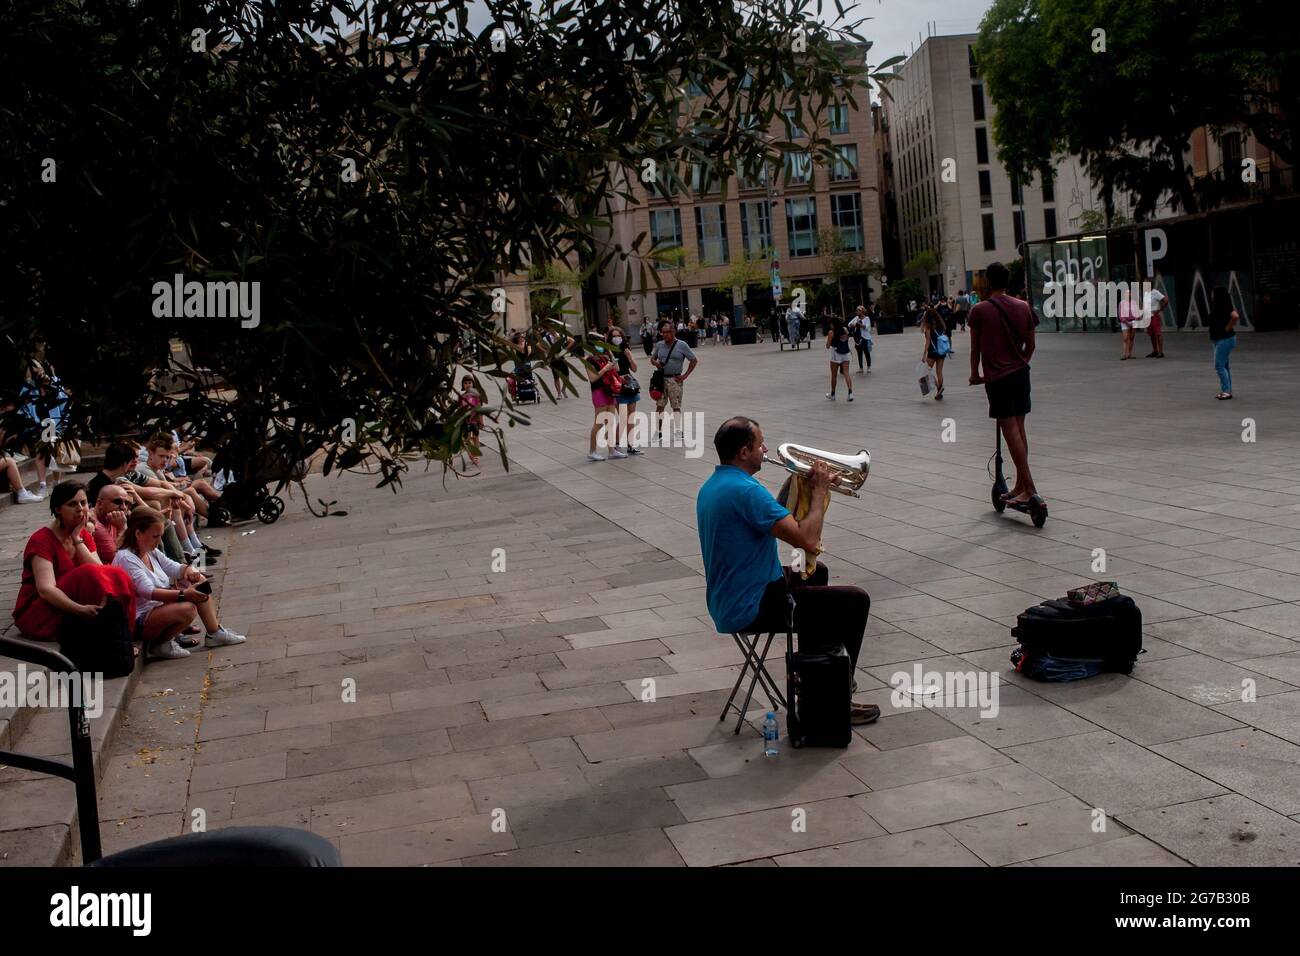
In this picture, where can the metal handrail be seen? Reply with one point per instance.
(81, 771)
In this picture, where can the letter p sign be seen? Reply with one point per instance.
(1157, 244)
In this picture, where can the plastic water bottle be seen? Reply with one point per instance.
(770, 734)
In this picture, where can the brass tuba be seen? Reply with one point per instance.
(848, 472)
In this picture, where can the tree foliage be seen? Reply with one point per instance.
(215, 141)
(1128, 110)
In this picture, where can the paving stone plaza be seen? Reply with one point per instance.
(498, 717)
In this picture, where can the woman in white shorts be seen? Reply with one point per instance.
(1127, 313)
(838, 344)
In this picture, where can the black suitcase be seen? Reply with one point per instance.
(1109, 631)
(819, 690)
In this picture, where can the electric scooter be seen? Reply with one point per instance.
(1035, 507)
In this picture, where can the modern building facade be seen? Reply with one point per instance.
(953, 197)
(760, 216)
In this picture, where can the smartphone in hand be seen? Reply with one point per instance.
(204, 586)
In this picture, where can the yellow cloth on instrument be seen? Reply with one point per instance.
(799, 501)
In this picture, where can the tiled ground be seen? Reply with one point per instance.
(498, 717)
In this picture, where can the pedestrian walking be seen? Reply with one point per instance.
(837, 343)
(936, 347)
(961, 310)
(1223, 337)
(793, 320)
(670, 355)
(713, 331)
(860, 329)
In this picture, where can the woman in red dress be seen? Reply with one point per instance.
(62, 573)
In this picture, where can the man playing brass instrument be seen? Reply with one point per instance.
(746, 587)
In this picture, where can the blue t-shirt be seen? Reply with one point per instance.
(735, 514)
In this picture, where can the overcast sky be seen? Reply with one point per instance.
(895, 23)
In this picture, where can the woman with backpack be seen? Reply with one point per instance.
(936, 347)
(837, 341)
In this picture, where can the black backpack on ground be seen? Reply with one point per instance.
(1108, 631)
(99, 644)
(819, 690)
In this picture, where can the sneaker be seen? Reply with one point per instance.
(632, 450)
(595, 456)
(863, 714)
(25, 497)
(221, 637)
(677, 435)
(617, 453)
(171, 651)
(831, 396)
(850, 396)
(211, 552)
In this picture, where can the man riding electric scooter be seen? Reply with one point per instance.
(1002, 340)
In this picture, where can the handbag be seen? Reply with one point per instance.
(657, 379)
(631, 387)
(99, 644)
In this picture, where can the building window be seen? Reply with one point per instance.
(754, 182)
(665, 231)
(704, 179)
(846, 217)
(986, 188)
(839, 119)
(970, 58)
(1230, 147)
(982, 145)
(756, 228)
(796, 132)
(801, 227)
(1049, 189)
(977, 99)
(990, 241)
(845, 166)
(1017, 194)
(711, 232)
(798, 166)
(1049, 222)
(1018, 221)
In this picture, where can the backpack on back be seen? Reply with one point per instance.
(941, 345)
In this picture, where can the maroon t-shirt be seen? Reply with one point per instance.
(1000, 350)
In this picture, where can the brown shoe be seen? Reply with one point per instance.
(860, 714)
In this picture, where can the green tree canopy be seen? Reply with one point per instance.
(1126, 99)
(372, 166)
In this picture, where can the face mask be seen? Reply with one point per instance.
(616, 340)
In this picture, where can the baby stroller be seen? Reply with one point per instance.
(245, 498)
(523, 387)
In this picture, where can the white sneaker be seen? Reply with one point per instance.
(25, 497)
(677, 435)
(830, 396)
(595, 456)
(170, 651)
(617, 453)
(221, 637)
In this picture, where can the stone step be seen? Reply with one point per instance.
(38, 813)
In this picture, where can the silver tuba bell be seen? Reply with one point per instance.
(848, 472)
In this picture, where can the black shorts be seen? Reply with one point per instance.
(1009, 396)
